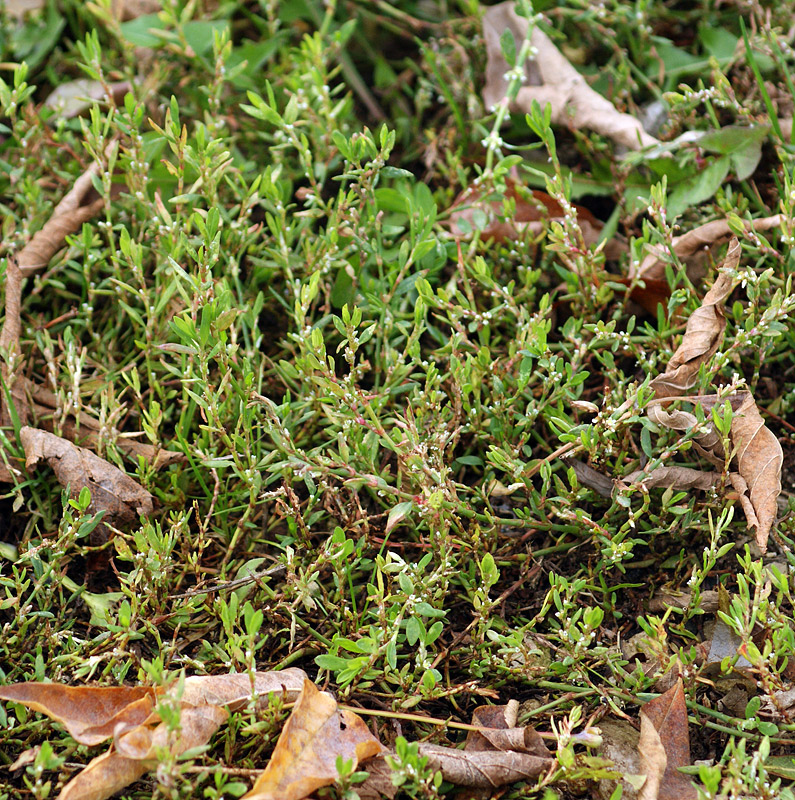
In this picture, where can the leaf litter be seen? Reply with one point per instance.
(756, 451)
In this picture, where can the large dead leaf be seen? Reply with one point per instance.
(77, 206)
(315, 736)
(620, 745)
(696, 243)
(551, 79)
(759, 459)
(111, 490)
(703, 334)
(664, 746)
(128, 714)
(91, 714)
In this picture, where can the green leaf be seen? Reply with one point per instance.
(699, 188)
(138, 31)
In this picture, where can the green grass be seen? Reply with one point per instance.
(370, 419)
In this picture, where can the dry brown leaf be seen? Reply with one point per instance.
(484, 769)
(664, 746)
(551, 79)
(590, 477)
(103, 777)
(759, 460)
(315, 736)
(111, 489)
(619, 745)
(703, 334)
(707, 601)
(130, 9)
(679, 478)
(696, 242)
(78, 206)
(708, 440)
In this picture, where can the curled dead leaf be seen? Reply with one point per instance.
(111, 489)
(484, 769)
(703, 334)
(91, 714)
(551, 79)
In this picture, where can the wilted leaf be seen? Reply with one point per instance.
(315, 736)
(73, 98)
(550, 79)
(759, 459)
(111, 490)
(78, 206)
(708, 441)
(130, 9)
(664, 746)
(697, 242)
(707, 601)
(12, 357)
(45, 403)
(679, 478)
(379, 780)
(703, 334)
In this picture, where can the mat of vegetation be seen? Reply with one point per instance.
(411, 384)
